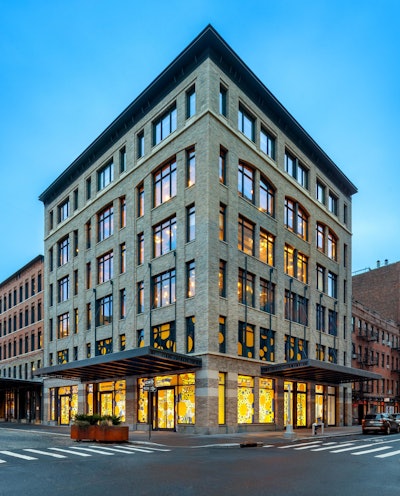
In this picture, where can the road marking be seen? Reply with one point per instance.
(150, 448)
(39, 452)
(141, 450)
(385, 455)
(326, 447)
(98, 451)
(353, 448)
(371, 451)
(267, 445)
(116, 450)
(70, 452)
(3, 461)
(17, 455)
(302, 444)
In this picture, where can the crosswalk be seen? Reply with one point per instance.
(375, 447)
(31, 454)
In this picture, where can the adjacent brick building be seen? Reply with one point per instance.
(198, 261)
(21, 343)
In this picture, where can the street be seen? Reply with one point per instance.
(40, 463)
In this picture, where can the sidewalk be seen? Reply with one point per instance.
(177, 439)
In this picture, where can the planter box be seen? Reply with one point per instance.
(100, 433)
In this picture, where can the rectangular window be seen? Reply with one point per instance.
(246, 289)
(88, 316)
(289, 260)
(321, 238)
(223, 93)
(140, 338)
(320, 315)
(88, 234)
(267, 296)
(164, 126)
(164, 182)
(63, 251)
(267, 247)
(267, 345)
(221, 398)
(332, 246)
(105, 223)
(164, 237)
(267, 143)
(320, 192)
(63, 326)
(140, 200)
(122, 258)
(63, 210)
(222, 278)
(122, 212)
(63, 289)
(267, 197)
(190, 279)
(88, 275)
(332, 322)
(190, 334)
(333, 203)
(88, 188)
(295, 349)
(105, 267)
(245, 340)
(246, 182)
(140, 297)
(321, 278)
(104, 310)
(296, 170)
(302, 267)
(246, 231)
(190, 223)
(122, 160)
(140, 144)
(76, 243)
(122, 303)
(296, 307)
(332, 285)
(140, 248)
(164, 289)
(190, 102)
(164, 337)
(105, 176)
(222, 222)
(246, 123)
(190, 167)
(222, 165)
(122, 342)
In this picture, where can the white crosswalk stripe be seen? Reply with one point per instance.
(116, 450)
(17, 455)
(92, 450)
(303, 445)
(77, 453)
(46, 453)
(382, 448)
(328, 446)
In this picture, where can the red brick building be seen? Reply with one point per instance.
(21, 343)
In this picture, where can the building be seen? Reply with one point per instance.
(379, 288)
(198, 268)
(376, 347)
(21, 343)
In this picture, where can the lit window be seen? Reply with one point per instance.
(321, 237)
(63, 289)
(332, 246)
(267, 197)
(190, 167)
(246, 289)
(246, 182)
(289, 260)
(164, 289)
(296, 219)
(222, 222)
(190, 279)
(122, 212)
(267, 296)
(222, 278)
(222, 166)
(267, 244)
(63, 326)
(246, 236)
(164, 237)
(165, 183)
(164, 126)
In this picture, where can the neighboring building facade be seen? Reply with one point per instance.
(198, 262)
(379, 289)
(376, 347)
(21, 343)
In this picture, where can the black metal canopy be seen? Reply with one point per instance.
(317, 371)
(7, 384)
(139, 361)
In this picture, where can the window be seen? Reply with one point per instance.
(267, 350)
(332, 285)
(222, 222)
(332, 322)
(140, 248)
(332, 246)
(88, 188)
(104, 346)
(140, 297)
(190, 334)
(190, 279)
(122, 160)
(267, 247)
(320, 315)
(246, 123)
(140, 144)
(63, 251)
(222, 278)
(104, 310)
(190, 102)
(76, 243)
(122, 258)
(140, 338)
(105, 265)
(296, 307)
(267, 197)
(222, 165)
(246, 236)
(321, 237)
(164, 337)
(246, 289)
(63, 210)
(289, 256)
(296, 219)
(105, 176)
(190, 223)
(63, 289)
(246, 182)
(164, 237)
(140, 200)
(333, 203)
(164, 289)
(88, 234)
(321, 278)
(223, 93)
(320, 192)
(105, 223)
(190, 167)
(63, 326)
(245, 340)
(122, 212)
(296, 170)
(164, 126)
(88, 275)
(267, 296)
(165, 183)
(320, 352)
(222, 334)
(267, 143)
(302, 267)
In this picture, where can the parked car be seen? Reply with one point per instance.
(396, 417)
(379, 422)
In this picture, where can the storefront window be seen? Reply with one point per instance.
(331, 405)
(266, 401)
(245, 399)
(301, 420)
(221, 397)
(319, 403)
(111, 396)
(89, 399)
(143, 402)
(52, 404)
(186, 405)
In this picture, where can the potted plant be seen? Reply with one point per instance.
(83, 427)
(100, 428)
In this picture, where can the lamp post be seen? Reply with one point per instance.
(289, 426)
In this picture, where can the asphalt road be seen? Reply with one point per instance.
(360, 465)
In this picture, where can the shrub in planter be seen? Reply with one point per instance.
(95, 427)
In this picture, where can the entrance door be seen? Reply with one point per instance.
(106, 404)
(64, 410)
(165, 409)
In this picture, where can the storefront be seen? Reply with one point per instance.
(20, 400)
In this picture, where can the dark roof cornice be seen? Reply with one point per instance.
(207, 44)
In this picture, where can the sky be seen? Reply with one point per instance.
(68, 69)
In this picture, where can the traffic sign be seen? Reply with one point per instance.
(149, 389)
(149, 382)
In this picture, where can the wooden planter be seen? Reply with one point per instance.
(100, 433)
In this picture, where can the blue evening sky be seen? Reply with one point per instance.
(69, 68)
